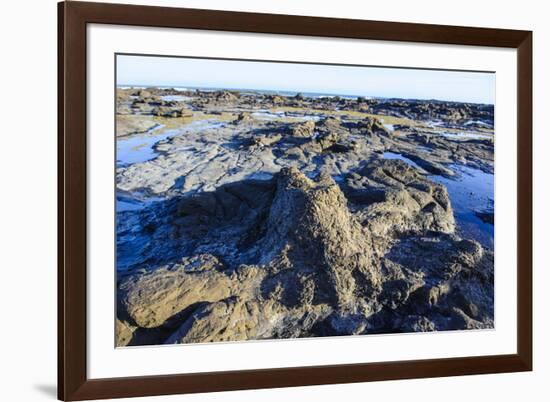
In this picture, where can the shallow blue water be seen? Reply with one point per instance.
(122, 205)
(139, 148)
(177, 98)
(472, 190)
(264, 114)
(134, 203)
(460, 135)
(393, 155)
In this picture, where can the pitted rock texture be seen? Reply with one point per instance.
(261, 216)
(295, 257)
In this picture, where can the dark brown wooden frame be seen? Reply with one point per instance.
(73, 17)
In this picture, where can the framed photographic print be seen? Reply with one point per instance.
(253, 200)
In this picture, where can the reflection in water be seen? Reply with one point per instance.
(139, 148)
(475, 136)
(269, 115)
(175, 98)
(393, 155)
(472, 191)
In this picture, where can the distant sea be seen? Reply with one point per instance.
(248, 91)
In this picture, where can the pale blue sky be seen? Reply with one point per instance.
(342, 80)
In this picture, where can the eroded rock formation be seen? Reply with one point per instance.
(294, 257)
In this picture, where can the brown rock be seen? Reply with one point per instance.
(304, 130)
(153, 298)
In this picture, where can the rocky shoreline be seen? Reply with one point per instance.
(259, 216)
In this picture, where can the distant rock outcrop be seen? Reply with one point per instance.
(166, 111)
(329, 132)
(372, 126)
(226, 96)
(243, 118)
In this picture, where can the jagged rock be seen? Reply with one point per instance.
(456, 273)
(304, 130)
(124, 333)
(275, 99)
(414, 323)
(243, 118)
(130, 125)
(372, 126)
(315, 269)
(250, 237)
(329, 132)
(154, 297)
(144, 94)
(399, 199)
(166, 111)
(327, 139)
(310, 222)
(227, 320)
(263, 141)
(225, 96)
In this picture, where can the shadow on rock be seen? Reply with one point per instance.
(296, 257)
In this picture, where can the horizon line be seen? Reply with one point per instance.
(298, 91)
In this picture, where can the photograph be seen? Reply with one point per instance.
(244, 201)
(263, 200)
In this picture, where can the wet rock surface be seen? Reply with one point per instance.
(264, 216)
